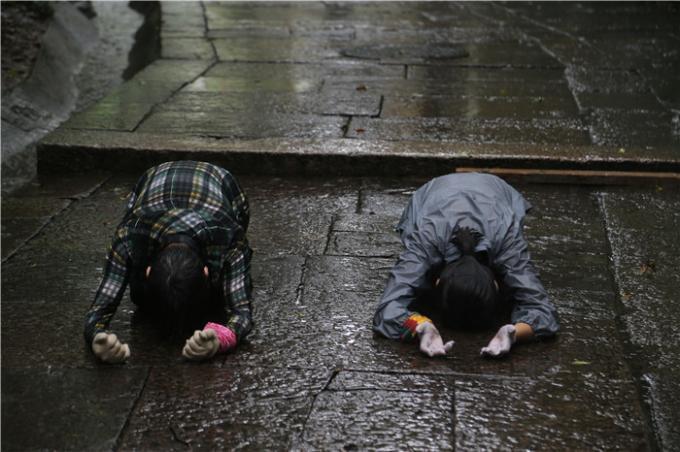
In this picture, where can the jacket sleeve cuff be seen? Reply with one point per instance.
(411, 324)
(225, 336)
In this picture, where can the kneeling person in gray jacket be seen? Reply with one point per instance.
(464, 246)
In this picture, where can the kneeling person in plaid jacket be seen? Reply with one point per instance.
(182, 248)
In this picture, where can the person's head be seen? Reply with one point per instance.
(467, 287)
(178, 284)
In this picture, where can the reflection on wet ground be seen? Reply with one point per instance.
(312, 375)
(342, 87)
(593, 75)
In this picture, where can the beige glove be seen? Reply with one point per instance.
(501, 343)
(431, 342)
(109, 349)
(201, 345)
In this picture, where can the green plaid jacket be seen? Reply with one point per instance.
(201, 200)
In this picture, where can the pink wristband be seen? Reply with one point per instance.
(225, 335)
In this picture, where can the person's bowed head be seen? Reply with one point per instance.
(468, 297)
(176, 295)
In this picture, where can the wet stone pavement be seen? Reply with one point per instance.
(312, 375)
(578, 85)
(331, 114)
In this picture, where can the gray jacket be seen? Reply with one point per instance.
(486, 204)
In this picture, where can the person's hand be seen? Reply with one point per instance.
(201, 345)
(431, 342)
(108, 348)
(501, 343)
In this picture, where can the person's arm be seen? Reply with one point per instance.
(393, 318)
(237, 288)
(533, 315)
(105, 345)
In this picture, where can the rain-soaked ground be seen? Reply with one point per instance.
(340, 87)
(582, 85)
(312, 374)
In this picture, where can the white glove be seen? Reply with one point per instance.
(109, 349)
(201, 345)
(431, 342)
(501, 343)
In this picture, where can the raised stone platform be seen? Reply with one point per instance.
(393, 89)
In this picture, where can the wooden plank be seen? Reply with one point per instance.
(586, 177)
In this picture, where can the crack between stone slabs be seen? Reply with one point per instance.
(444, 374)
(300, 289)
(153, 109)
(328, 237)
(650, 433)
(523, 34)
(73, 200)
(206, 30)
(547, 27)
(368, 388)
(454, 418)
(329, 380)
(380, 107)
(345, 127)
(126, 425)
(360, 201)
(362, 256)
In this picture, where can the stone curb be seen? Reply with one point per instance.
(67, 151)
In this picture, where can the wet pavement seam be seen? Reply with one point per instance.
(138, 397)
(71, 201)
(206, 30)
(624, 337)
(300, 289)
(153, 109)
(332, 374)
(329, 234)
(452, 373)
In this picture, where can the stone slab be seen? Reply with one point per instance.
(290, 156)
(258, 408)
(187, 48)
(556, 412)
(645, 258)
(276, 49)
(506, 54)
(344, 69)
(59, 409)
(234, 125)
(172, 71)
(427, 74)
(254, 103)
(22, 219)
(625, 128)
(294, 216)
(245, 85)
(560, 411)
(457, 85)
(469, 107)
(479, 131)
(364, 235)
(382, 419)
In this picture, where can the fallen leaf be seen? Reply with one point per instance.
(578, 362)
(361, 88)
(626, 296)
(648, 267)
(360, 130)
(622, 151)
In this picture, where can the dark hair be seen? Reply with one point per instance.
(467, 289)
(177, 286)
